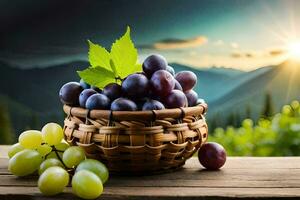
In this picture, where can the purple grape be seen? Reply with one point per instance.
(97, 101)
(175, 99)
(154, 63)
(171, 70)
(123, 104)
(212, 155)
(84, 85)
(96, 89)
(153, 105)
(177, 86)
(162, 83)
(135, 86)
(69, 93)
(84, 95)
(192, 97)
(187, 79)
(112, 91)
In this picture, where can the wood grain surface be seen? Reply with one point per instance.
(240, 178)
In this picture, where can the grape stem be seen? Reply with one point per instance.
(59, 158)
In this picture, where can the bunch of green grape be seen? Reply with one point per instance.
(46, 153)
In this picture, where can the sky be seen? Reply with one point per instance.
(238, 34)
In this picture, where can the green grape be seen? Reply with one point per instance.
(62, 146)
(49, 163)
(53, 180)
(30, 139)
(54, 154)
(52, 133)
(44, 149)
(14, 149)
(24, 162)
(94, 166)
(86, 185)
(73, 156)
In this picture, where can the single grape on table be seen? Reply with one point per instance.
(212, 155)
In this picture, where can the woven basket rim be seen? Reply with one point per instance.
(199, 109)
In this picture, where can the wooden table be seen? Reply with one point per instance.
(240, 178)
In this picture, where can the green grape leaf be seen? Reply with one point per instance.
(124, 56)
(98, 56)
(97, 76)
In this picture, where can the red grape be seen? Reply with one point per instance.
(153, 105)
(97, 101)
(112, 91)
(162, 83)
(192, 97)
(154, 63)
(69, 93)
(135, 86)
(84, 95)
(187, 79)
(177, 86)
(175, 99)
(212, 155)
(123, 104)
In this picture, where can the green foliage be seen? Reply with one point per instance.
(107, 67)
(97, 76)
(6, 132)
(279, 136)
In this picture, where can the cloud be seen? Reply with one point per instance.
(236, 54)
(175, 43)
(234, 45)
(276, 52)
(239, 54)
(219, 43)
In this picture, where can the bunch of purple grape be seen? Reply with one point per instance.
(156, 88)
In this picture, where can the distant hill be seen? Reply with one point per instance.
(281, 82)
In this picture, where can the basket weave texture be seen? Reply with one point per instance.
(138, 142)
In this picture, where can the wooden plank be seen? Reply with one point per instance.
(186, 193)
(247, 177)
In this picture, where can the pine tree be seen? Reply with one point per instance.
(231, 120)
(6, 131)
(268, 109)
(248, 112)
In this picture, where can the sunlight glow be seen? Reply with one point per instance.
(294, 50)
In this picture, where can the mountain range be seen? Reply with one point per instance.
(31, 95)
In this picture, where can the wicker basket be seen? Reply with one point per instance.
(138, 142)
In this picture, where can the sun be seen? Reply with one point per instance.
(294, 50)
